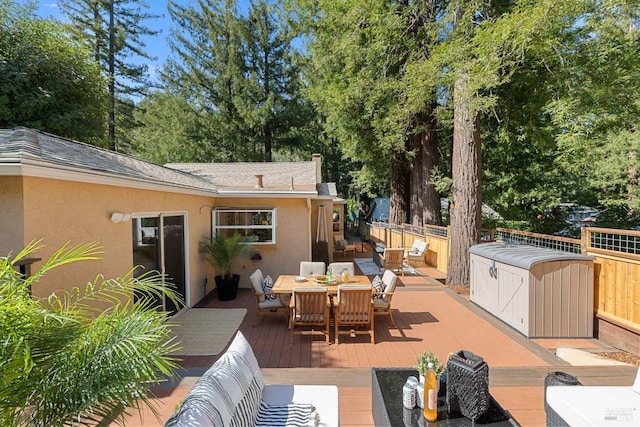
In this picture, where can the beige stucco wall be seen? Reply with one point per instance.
(59, 211)
(63, 211)
(11, 215)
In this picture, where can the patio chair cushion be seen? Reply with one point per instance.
(267, 285)
(389, 279)
(257, 281)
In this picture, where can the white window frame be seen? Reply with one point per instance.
(215, 227)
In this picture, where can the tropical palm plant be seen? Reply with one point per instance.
(63, 360)
(223, 250)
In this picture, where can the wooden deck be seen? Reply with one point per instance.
(429, 316)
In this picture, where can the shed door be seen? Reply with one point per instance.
(484, 286)
(513, 297)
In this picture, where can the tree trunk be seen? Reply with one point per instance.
(424, 199)
(465, 206)
(112, 79)
(399, 194)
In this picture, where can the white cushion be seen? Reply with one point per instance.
(312, 268)
(256, 279)
(271, 303)
(390, 279)
(336, 268)
(595, 405)
(323, 397)
(380, 303)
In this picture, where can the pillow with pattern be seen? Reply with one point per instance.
(378, 286)
(267, 285)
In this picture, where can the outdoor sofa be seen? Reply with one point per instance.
(232, 393)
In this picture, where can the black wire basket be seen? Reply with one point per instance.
(557, 378)
(467, 384)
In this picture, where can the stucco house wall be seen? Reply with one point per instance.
(58, 211)
(11, 215)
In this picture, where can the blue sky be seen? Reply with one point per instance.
(156, 46)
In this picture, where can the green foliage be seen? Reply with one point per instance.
(423, 361)
(240, 77)
(46, 81)
(222, 250)
(63, 360)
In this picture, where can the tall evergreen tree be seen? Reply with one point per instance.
(362, 54)
(241, 73)
(113, 30)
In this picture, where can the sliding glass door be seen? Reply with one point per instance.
(159, 244)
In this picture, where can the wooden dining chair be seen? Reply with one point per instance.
(309, 308)
(353, 308)
(394, 259)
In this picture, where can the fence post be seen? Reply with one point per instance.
(584, 240)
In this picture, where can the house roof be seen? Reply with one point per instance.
(35, 148)
(244, 175)
(36, 153)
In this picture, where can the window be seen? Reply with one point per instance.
(258, 226)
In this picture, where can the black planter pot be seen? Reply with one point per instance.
(227, 287)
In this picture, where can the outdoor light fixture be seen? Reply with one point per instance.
(117, 217)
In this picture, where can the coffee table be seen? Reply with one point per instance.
(386, 389)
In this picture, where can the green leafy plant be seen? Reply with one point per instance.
(63, 360)
(223, 250)
(423, 362)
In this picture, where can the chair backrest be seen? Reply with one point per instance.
(312, 268)
(393, 258)
(354, 303)
(257, 279)
(389, 278)
(310, 304)
(336, 268)
(418, 248)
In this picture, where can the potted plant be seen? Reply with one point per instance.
(221, 251)
(423, 362)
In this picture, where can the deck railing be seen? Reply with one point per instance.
(616, 260)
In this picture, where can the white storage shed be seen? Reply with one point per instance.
(540, 292)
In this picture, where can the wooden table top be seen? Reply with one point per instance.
(286, 282)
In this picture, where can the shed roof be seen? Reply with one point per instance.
(522, 256)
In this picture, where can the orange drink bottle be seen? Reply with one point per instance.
(430, 394)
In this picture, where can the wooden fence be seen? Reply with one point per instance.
(616, 263)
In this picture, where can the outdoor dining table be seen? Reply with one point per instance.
(286, 282)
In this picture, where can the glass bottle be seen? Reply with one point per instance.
(430, 394)
(345, 276)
